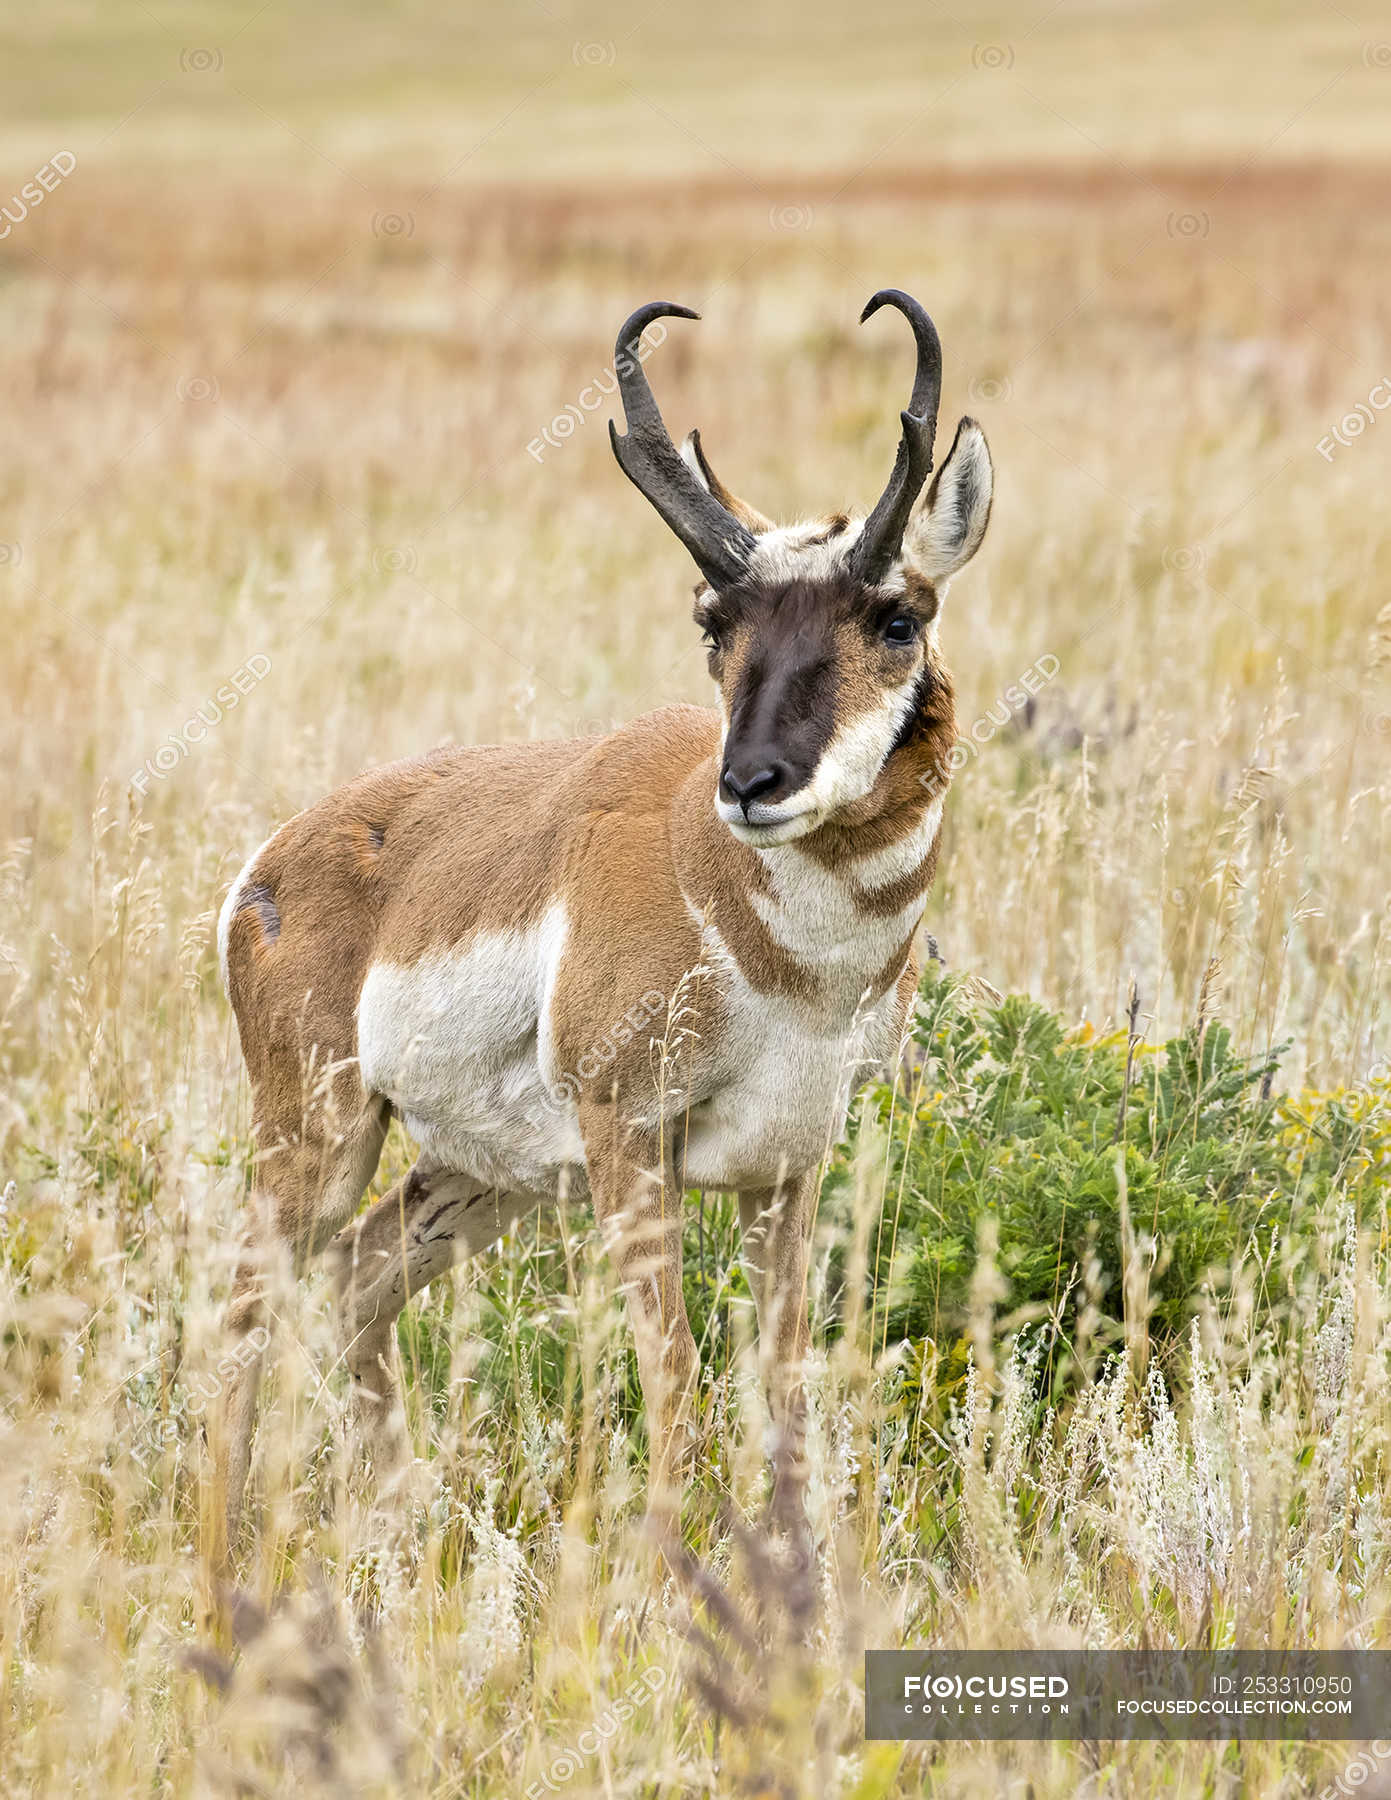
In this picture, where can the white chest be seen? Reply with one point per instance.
(783, 1083)
(788, 1067)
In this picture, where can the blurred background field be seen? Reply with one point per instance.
(293, 363)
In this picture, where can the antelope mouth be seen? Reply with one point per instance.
(767, 825)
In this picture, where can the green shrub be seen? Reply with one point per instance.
(1052, 1135)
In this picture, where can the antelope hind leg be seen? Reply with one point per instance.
(304, 1190)
(427, 1222)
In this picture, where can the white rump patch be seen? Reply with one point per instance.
(235, 895)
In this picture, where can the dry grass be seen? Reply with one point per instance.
(247, 418)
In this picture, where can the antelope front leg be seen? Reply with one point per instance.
(638, 1206)
(776, 1227)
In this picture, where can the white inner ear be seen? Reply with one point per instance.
(947, 530)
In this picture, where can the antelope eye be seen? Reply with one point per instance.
(900, 629)
(710, 637)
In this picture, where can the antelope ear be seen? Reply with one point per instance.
(747, 515)
(946, 530)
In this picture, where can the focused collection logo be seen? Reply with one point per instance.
(1117, 1694)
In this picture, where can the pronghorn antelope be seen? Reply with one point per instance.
(447, 939)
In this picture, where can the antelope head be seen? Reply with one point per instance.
(822, 636)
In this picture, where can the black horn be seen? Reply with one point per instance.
(882, 539)
(720, 545)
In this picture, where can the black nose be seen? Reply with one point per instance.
(752, 780)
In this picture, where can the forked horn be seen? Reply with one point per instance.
(756, 521)
(720, 545)
(881, 541)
